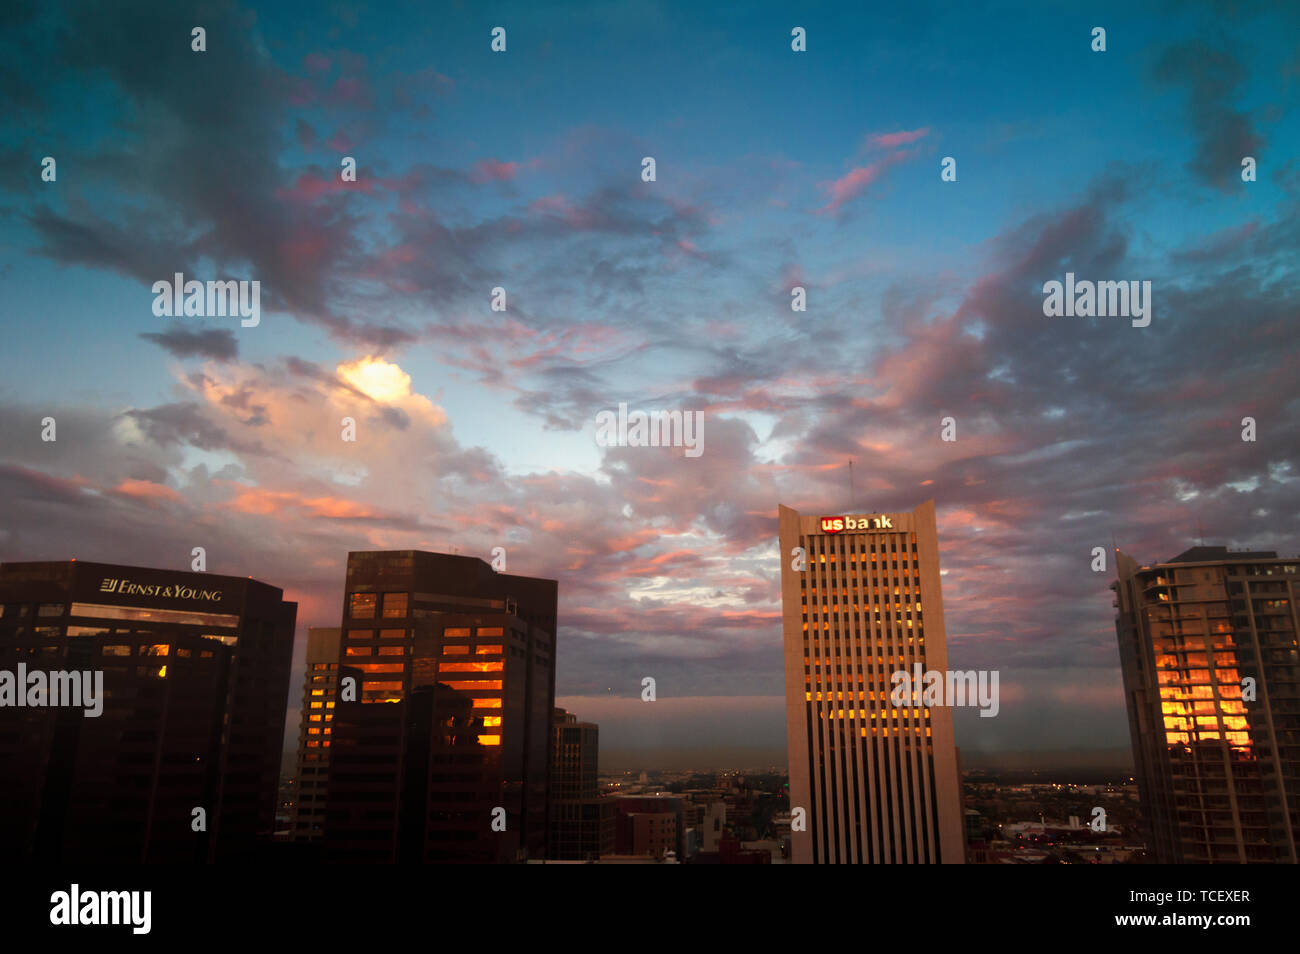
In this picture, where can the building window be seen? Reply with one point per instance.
(395, 605)
(50, 609)
(363, 605)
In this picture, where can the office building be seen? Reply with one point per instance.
(319, 694)
(861, 600)
(582, 823)
(441, 738)
(1208, 651)
(195, 671)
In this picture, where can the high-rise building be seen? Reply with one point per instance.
(441, 738)
(319, 695)
(195, 671)
(861, 601)
(582, 823)
(1208, 650)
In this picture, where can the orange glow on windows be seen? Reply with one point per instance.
(487, 703)
(491, 721)
(473, 685)
(380, 667)
(471, 667)
(487, 649)
(489, 740)
(455, 650)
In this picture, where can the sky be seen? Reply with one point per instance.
(774, 170)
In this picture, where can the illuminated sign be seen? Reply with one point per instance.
(836, 524)
(177, 592)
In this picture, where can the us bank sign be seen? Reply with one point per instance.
(836, 524)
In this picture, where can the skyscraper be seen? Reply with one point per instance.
(319, 697)
(1208, 650)
(454, 671)
(861, 600)
(582, 823)
(195, 674)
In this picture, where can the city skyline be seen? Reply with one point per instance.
(477, 429)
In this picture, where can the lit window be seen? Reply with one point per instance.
(363, 605)
(471, 666)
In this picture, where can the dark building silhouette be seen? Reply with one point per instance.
(319, 693)
(195, 674)
(582, 823)
(453, 671)
(1218, 769)
(649, 825)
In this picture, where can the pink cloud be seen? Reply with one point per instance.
(848, 187)
(896, 139)
(147, 490)
(491, 170)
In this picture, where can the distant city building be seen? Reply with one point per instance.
(319, 696)
(1218, 771)
(195, 675)
(649, 825)
(878, 782)
(449, 728)
(582, 822)
(713, 826)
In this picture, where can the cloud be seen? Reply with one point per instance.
(896, 139)
(217, 344)
(1224, 134)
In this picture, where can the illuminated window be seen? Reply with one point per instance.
(471, 666)
(362, 605)
(359, 651)
(383, 686)
(159, 649)
(491, 631)
(115, 651)
(361, 634)
(487, 703)
(455, 650)
(455, 632)
(491, 721)
(392, 650)
(395, 605)
(150, 615)
(487, 649)
(380, 667)
(392, 634)
(474, 685)
(489, 740)
(88, 631)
